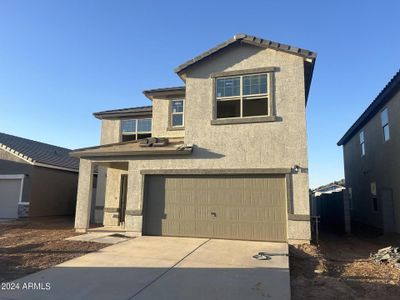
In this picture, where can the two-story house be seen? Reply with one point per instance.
(228, 153)
(371, 150)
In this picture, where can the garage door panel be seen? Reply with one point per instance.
(9, 196)
(231, 207)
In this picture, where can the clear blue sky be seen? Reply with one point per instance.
(60, 61)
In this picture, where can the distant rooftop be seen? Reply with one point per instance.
(38, 152)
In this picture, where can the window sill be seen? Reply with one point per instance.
(247, 120)
(170, 128)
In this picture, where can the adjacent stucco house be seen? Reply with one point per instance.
(36, 179)
(229, 154)
(371, 150)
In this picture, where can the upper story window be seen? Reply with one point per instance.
(385, 124)
(135, 129)
(177, 113)
(242, 96)
(362, 143)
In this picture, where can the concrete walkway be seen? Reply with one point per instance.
(165, 268)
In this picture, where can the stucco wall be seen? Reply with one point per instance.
(110, 131)
(161, 120)
(381, 164)
(279, 144)
(53, 192)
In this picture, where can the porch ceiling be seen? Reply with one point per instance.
(132, 149)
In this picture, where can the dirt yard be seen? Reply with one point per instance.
(30, 246)
(339, 268)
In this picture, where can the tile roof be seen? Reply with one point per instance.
(252, 40)
(384, 96)
(37, 152)
(124, 111)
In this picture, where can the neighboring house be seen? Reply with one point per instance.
(36, 179)
(333, 187)
(235, 162)
(371, 150)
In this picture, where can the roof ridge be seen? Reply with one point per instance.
(251, 40)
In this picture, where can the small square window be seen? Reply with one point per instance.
(177, 120)
(255, 84)
(386, 133)
(144, 125)
(228, 87)
(228, 108)
(128, 125)
(128, 137)
(384, 117)
(255, 107)
(177, 106)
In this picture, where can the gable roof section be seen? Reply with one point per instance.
(308, 56)
(251, 40)
(392, 87)
(124, 112)
(39, 154)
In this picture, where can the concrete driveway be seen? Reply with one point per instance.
(164, 268)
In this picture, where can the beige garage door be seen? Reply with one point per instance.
(229, 207)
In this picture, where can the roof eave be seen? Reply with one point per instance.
(144, 152)
(165, 92)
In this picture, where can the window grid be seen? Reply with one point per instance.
(244, 97)
(135, 127)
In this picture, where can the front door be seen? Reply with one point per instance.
(122, 199)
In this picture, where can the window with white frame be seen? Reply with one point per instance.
(362, 143)
(242, 96)
(177, 113)
(385, 124)
(135, 129)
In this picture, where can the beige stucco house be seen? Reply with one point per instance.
(228, 158)
(371, 150)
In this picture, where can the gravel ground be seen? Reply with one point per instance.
(340, 268)
(28, 246)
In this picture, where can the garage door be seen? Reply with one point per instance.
(229, 207)
(9, 196)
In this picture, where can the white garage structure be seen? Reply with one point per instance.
(11, 188)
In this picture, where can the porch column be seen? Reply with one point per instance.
(84, 196)
(134, 202)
